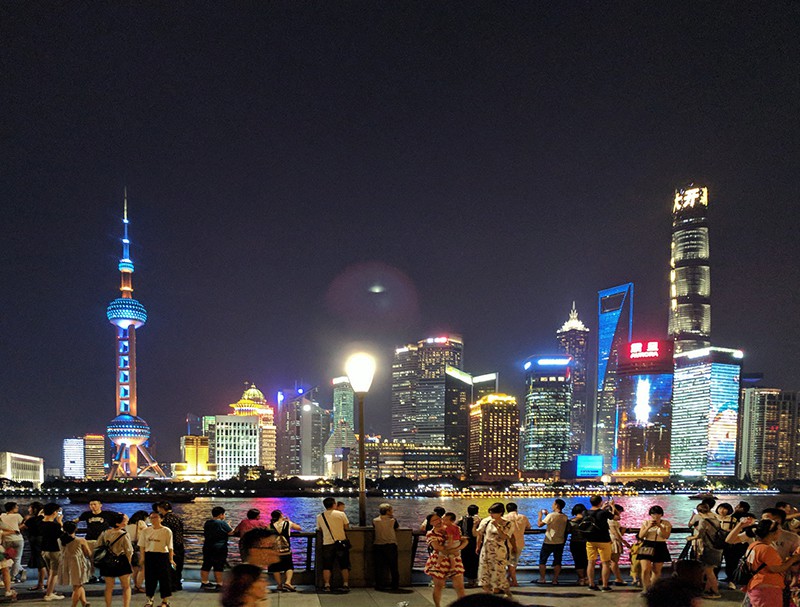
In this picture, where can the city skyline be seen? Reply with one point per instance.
(293, 197)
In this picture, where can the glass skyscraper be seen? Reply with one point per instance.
(548, 404)
(573, 339)
(690, 273)
(494, 438)
(614, 327)
(418, 388)
(705, 412)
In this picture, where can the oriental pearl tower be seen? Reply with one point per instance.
(128, 432)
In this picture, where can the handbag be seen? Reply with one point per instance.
(646, 551)
(341, 546)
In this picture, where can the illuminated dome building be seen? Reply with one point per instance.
(128, 432)
(253, 403)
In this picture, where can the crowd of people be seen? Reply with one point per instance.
(146, 552)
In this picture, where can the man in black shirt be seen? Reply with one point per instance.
(598, 540)
(174, 524)
(97, 520)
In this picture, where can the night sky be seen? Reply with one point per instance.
(482, 163)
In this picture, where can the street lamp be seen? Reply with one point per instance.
(360, 369)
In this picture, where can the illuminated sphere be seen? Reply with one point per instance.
(128, 429)
(126, 312)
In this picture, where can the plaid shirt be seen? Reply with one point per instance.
(174, 524)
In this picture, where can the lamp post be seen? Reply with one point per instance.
(360, 369)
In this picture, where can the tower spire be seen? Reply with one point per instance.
(125, 262)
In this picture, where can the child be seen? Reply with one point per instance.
(5, 570)
(618, 544)
(452, 533)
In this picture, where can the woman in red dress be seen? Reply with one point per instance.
(444, 563)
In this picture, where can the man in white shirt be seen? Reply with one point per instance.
(555, 536)
(335, 546)
(520, 524)
(11, 519)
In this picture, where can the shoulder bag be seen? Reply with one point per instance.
(341, 545)
(104, 558)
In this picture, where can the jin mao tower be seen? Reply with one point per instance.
(127, 431)
(573, 339)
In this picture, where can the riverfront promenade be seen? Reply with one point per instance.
(417, 596)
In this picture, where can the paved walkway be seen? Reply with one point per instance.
(418, 596)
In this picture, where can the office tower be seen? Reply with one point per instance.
(484, 385)
(573, 340)
(769, 438)
(546, 422)
(644, 388)
(194, 466)
(208, 428)
(342, 440)
(94, 456)
(494, 438)
(20, 468)
(237, 444)
(74, 465)
(614, 327)
(418, 387)
(252, 403)
(303, 429)
(705, 411)
(194, 425)
(127, 431)
(458, 387)
(689, 272)
(417, 462)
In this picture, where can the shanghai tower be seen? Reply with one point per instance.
(690, 274)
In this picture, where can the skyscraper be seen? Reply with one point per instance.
(237, 444)
(458, 398)
(690, 273)
(128, 432)
(548, 404)
(252, 403)
(705, 412)
(418, 388)
(195, 466)
(74, 466)
(644, 390)
(303, 429)
(573, 339)
(94, 456)
(769, 440)
(614, 328)
(342, 440)
(494, 438)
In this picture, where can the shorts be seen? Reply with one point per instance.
(578, 550)
(557, 550)
(52, 560)
(332, 556)
(216, 560)
(601, 549)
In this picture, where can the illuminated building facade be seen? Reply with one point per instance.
(21, 468)
(705, 412)
(253, 403)
(342, 440)
(195, 467)
(417, 462)
(461, 390)
(614, 328)
(128, 432)
(494, 439)
(303, 429)
(237, 444)
(94, 456)
(769, 440)
(690, 273)
(74, 465)
(418, 388)
(208, 425)
(573, 340)
(484, 385)
(548, 406)
(644, 390)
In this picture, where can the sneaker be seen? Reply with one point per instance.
(620, 583)
(53, 597)
(207, 586)
(731, 585)
(345, 589)
(606, 589)
(594, 587)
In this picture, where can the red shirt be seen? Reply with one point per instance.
(764, 554)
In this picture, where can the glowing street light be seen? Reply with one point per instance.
(360, 369)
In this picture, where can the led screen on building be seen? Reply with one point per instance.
(589, 466)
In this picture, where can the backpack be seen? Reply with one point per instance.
(744, 571)
(717, 538)
(587, 525)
